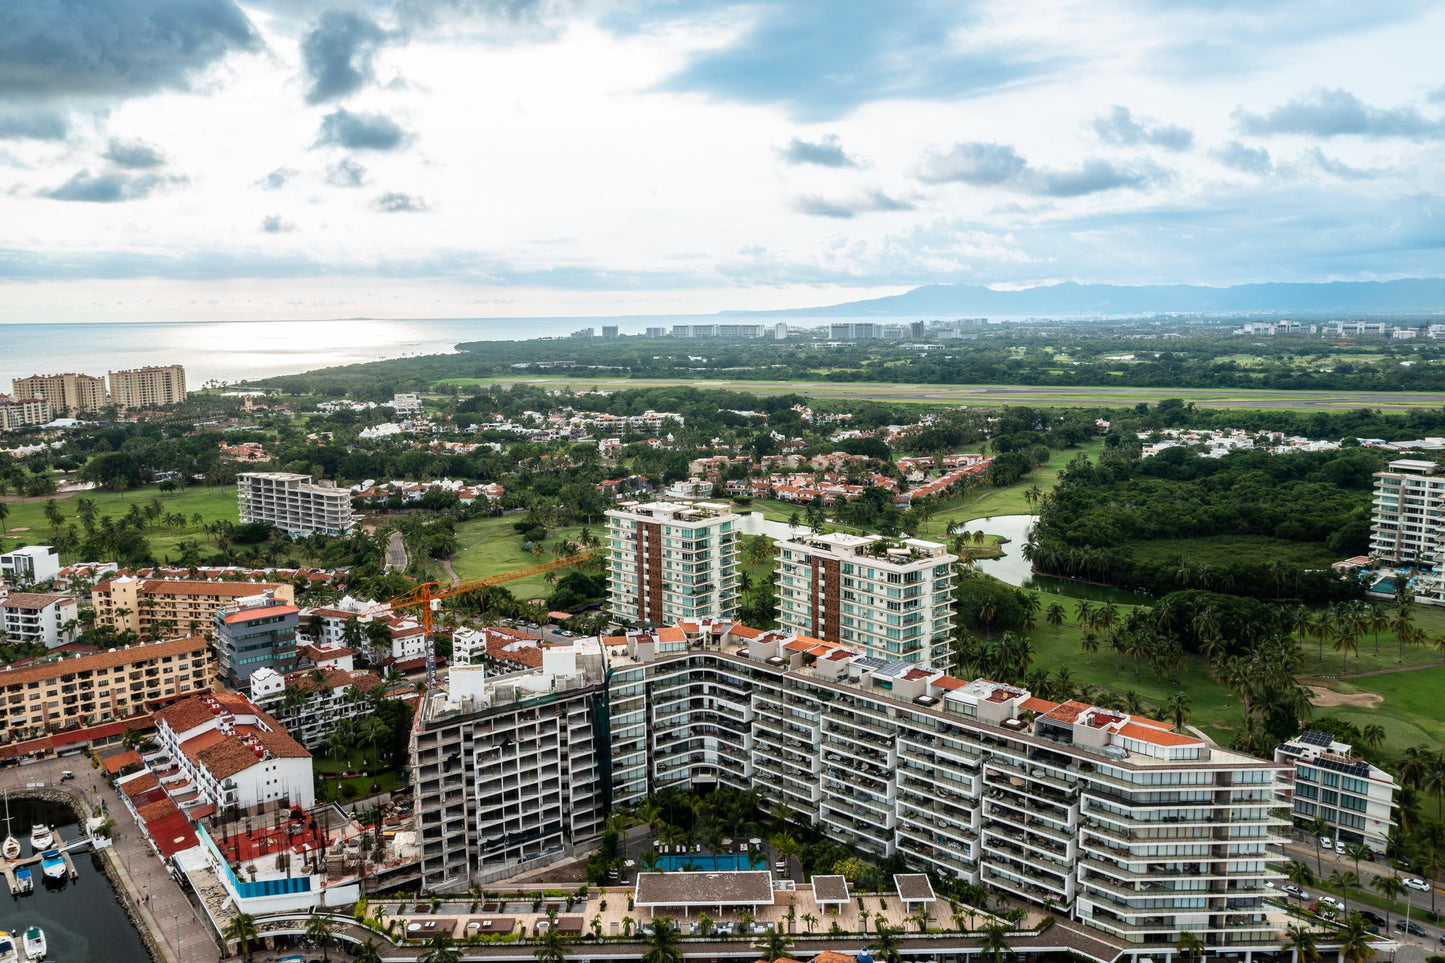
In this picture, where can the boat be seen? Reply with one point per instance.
(41, 838)
(8, 952)
(10, 849)
(52, 864)
(24, 881)
(35, 948)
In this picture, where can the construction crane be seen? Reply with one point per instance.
(429, 595)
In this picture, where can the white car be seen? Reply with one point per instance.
(1296, 892)
(1327, 843)
(1331, 902)
(1417, 884)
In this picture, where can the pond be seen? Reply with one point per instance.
(1013, 568)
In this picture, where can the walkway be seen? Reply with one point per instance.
(396, 553)
(166, 912)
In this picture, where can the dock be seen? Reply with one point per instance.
(10, 866)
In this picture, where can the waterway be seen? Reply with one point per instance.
(82, 918)
(1010, 567)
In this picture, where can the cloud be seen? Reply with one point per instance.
(827, 152)
(337, 54)
(823, 58)
(431, 13)
(1338, 168)
(1249, 160)
(346, 173)
(1436, 96)
(982, 164)
(277, 179)
(395, 203)
(359, 131)
(114, 48)
(873, 200)
(1338, 113)
(1119, 127)
(110, 187)
(134, 155)
(41, 124)
(274, 224)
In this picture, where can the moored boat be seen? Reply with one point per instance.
(35, 948)
(52, 864)
(8, 951)
(10, 849)
(24, 881)
(41, 838)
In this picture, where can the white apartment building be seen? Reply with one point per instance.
(1117, 821)
(339, 694)
(30, 563)
(1328, 781)
(671, 561)
(38, 618)
(892, 599)
(292, 503)
(153, 386)
(221, 749)
(1407, 527)
(510, 769)
(23, 412)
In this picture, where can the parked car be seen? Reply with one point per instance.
(1293, 890)
(1327, 843)
(1373, 917)
(1417, 884)
(1411, 927)
(1331, 902)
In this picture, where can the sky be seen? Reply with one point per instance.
(223, 159)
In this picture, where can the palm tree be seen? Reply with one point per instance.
(441, 949)
(1346, 882)
(775, 944)
(1391, 888)
(662, 942)
(318, 928)
(553, 949)
(1176, 707)
(1357, 852)
(1373, 735)
(885, 943)
(241, 930)
(1054, 615)
(1355, 939)
(1299, 942)
(995, 941)
(1299, 873)
(1190, 946)
(366, 952)
(809, 920)
(1319, 829)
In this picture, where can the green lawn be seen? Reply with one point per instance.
(491, 546)
(1011, 500)
(212, 503)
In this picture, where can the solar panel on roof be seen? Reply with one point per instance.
(894, 667)
(1348, 768)
(1313, 737)
(868, 662)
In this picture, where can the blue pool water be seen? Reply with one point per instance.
(706, 861)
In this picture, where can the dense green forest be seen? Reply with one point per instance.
(1146, 355)
(1101, 518)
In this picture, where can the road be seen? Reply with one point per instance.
(1305, 852)
(164, 909)
(396, 553)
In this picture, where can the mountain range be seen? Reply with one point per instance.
(1408, 296)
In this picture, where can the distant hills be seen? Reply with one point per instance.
(1409, 296)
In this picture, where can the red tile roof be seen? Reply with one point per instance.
(258, 612)
(1068, 712)
(114, 764)
(1158, 737)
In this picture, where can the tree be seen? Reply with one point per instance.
(1319, 829)
(885, 943)
(1054, 615)
(366, 952)
(1346, 882)
(241, 930)
(552, 948)
(775, 944)
(1357, 852)
(995, 941)
(1299, 942)
(441, 949)
(809, 920)
(1390, 888)
(1190, 946)
(318, 928)
(1176, 707)
(662, 946)
(1299, 873)
(1355, 937)
(1373, 735)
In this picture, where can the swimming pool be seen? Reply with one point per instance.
(705, 861)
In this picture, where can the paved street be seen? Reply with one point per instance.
(1305, 852)
(173, 922)
(396, 553)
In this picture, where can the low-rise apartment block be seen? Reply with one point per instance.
(30, 563)
(292, 503)
(1328, 781)
(892, 599)
(313, 707)
(670, 561)
(153, 386)
(510, 769)
(90, 690)
(38, 618)
(156, 607)
(67, 394)
(220, 749)
(23, 412)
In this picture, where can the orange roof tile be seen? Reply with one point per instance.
(1158, 737)
(746, 632)
(192, 748)
(105, 660)
(948, 683)
(186, 714)
(139, 784)
(119, 761)
(259, 611)
(1035, 704)
(1068, 712)
(670, 633)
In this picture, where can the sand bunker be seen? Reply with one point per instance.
(1324, 698)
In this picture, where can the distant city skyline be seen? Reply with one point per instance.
(243, 159)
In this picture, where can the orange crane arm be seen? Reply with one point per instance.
(428, 592)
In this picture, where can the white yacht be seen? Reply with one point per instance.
(8, 951)
(35, 948)
(41, 838)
